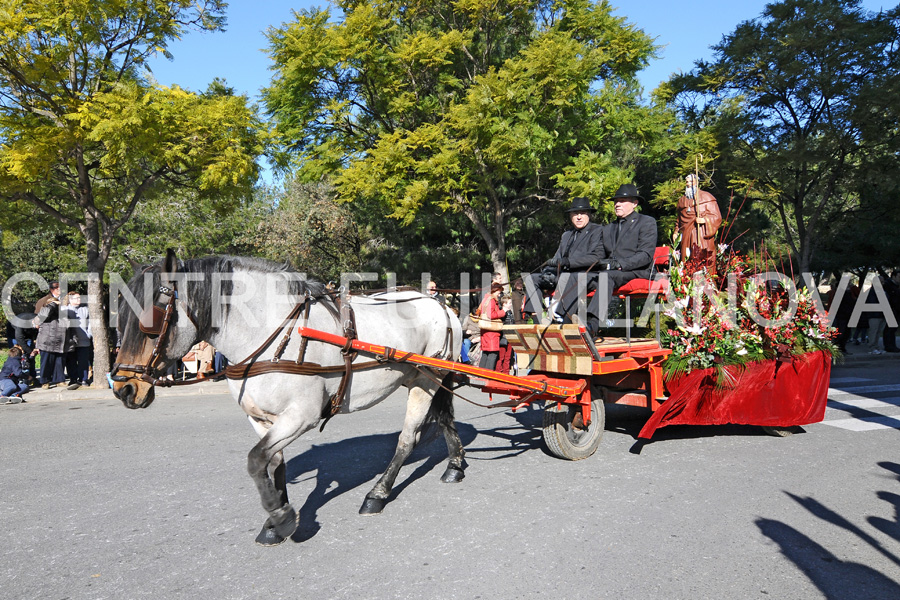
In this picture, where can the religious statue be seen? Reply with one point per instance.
(698, 220)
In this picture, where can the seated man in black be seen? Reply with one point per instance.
(629, 243)
(579, 252)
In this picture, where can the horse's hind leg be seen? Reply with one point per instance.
(417, 405)
(442, 413)
(419, 410)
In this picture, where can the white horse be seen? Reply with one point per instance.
(240, 306)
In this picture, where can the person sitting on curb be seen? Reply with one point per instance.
(13, 380)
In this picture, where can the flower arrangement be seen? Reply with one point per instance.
(731, 315)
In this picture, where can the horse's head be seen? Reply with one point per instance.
(154, 334)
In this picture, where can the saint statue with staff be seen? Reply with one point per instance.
(698, 220)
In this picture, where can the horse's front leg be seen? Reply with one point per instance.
(417, 412)
(265, 463)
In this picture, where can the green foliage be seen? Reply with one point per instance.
(803, 102)
(46, 251)
(190, 223)
(86, 139)
(304, 226)
(493, 111)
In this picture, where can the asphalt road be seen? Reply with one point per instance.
(102, 502)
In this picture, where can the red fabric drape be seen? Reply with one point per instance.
(764, 393)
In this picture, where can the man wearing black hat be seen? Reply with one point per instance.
(579, 250)
(628, 243)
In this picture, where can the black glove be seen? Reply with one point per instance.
(547, 279)
(553, 262)
(609, 264)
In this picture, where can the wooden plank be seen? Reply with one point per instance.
(551, 348)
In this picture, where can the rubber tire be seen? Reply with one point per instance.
(563, 440)
(778, 431)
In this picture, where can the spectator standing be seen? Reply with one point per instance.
(518, 301)
(842, 313)
(78, 359)
(505, 356)
(490, 340)
(858, 331)
(876, 323)
(433, 292)
(892, 289)
(471, 344)
(51, 338)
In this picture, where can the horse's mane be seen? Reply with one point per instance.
(199, 293)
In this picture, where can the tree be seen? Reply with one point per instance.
(495, 110)
(86, 139)
(804, 101)
(307, 229)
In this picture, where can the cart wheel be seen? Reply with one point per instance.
(564, 440)
(778, 431)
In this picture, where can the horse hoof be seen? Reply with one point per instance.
(288, 525)
(269, 537)
(273, 535)
(453, 475)
(372, 506)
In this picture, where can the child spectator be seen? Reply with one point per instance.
(80, 341)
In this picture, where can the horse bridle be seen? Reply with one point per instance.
(154, 321)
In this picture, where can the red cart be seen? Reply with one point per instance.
(560, 365)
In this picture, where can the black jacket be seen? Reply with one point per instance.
(632, 243)
(584, 250)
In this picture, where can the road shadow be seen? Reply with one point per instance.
(630, 420)
(522, 434)
(838, 579)
(341, 467)
(889, 528)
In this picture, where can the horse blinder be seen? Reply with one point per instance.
(151, 321)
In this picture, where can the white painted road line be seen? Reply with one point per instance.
(853, 401)
(866, 389)
(866, 423)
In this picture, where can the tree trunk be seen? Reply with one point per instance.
(99, 327)
(97, 255)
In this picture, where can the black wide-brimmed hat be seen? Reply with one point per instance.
(580, 204)
(627, 190)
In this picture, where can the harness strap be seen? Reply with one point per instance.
(247, 365)
(334, 404)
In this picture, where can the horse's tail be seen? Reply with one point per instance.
(441, 410)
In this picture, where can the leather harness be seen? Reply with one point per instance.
(159, 320)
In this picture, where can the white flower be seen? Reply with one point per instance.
(676, 254)
(681, 303)
(687, 253)
(695, 329)
(742, 352)
(723, 248)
